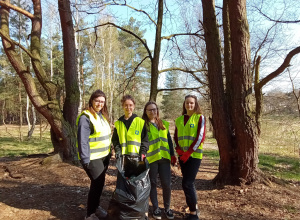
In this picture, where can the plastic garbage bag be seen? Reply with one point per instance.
(130, 200)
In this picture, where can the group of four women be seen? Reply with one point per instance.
(148, 138)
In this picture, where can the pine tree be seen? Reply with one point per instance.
(172, 100)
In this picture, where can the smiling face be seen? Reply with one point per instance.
(189, 105)
(128, 107)
(98, 103)
(151, 111)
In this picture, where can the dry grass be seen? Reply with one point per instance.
(281, 136)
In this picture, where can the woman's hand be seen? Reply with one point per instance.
(142, 157)
(186, 155)
(179, 151)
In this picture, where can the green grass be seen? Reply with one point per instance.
(211, 154)
(287, 168)
(11, 146)
(282, 167)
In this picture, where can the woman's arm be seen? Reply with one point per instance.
(83, 134)
(170, 142)
(177, 148)
(144, 141)
(116, 143)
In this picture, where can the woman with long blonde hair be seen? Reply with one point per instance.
(189, 137)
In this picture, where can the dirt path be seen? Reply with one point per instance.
(29, 190)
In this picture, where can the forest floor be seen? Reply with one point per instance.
(33, 191)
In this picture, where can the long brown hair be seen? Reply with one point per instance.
(197, 106)
(160, 124)
(104, 111)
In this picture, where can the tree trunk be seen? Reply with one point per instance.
(242, 120)
(30, 132)
(27, 112)
(235, 128)
(220, 116)
(21, 114)
(70, 110)
(77, 49)
(258, 97)
(155, 60)
(49, 108)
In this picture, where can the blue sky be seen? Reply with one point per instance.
(288, 33)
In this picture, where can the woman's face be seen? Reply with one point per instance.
(98, 103)
(128, 106)
(151, 111)
(189, 104)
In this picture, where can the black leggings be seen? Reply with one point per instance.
(189, 170)
(96, 172)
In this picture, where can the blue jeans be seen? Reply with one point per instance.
(189, 171)
(163, 169)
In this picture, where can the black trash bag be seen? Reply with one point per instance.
(130, 200)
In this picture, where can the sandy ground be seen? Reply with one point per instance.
(30, 190)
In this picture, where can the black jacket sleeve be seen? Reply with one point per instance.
(144, 141)
(115, 142)
(170, 142)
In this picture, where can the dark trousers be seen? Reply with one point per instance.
(189, 170)
(161, 168)
(96, 172)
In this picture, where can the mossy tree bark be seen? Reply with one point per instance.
(45, 100)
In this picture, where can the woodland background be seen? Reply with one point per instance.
(239, 58)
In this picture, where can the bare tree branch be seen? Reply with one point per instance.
(173, 89)
(132, 75)
(277, 21)
(280, 69)
(138, 10)
(17, 9)
(183, 34)
(297, 97)
(261, 45)
(125, 30)
(187, 71)
(13, 43)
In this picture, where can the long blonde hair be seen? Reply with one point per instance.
(197, 106)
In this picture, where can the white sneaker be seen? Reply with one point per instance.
(92, 217)
(100, 212)
(157, 213)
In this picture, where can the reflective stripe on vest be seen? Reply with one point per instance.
(100, 140)
(158, 140)
(188, 133)
(130, 140)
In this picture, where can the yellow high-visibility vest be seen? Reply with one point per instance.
(100, 140)
(188, 133)
(130, 140)
(158, 140)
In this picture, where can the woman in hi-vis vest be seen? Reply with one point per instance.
(94, 140)
(159, 155)
(189, 137)
(130, 136)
